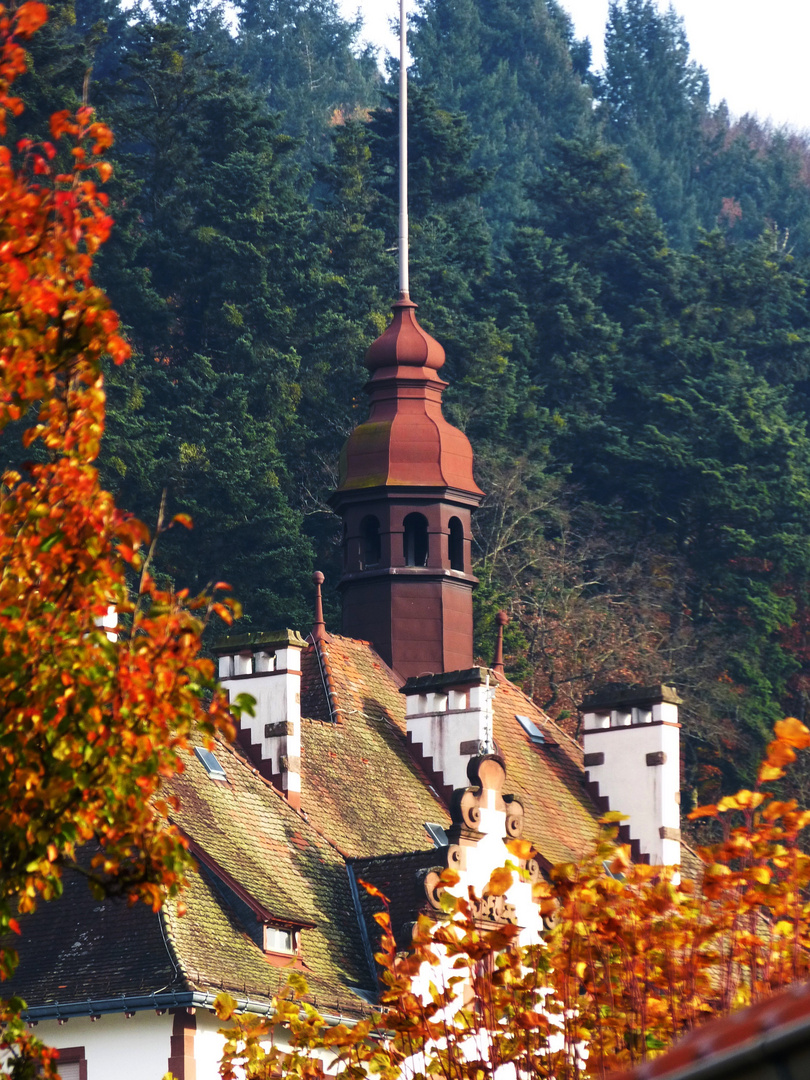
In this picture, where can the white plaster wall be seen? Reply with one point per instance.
(278, 699)
(208, 1045)
(647, 794)
(441, 734)
(116, 1047)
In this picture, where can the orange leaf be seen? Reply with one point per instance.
(793, 731)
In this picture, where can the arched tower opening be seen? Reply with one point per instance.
(415, 540)
(455, 544)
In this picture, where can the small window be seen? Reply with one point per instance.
(280, 940)
(212, 766)
(455, 544)
(372, 545)
(436, 834)
(415, 540)
(72, 1063)
(531, 729)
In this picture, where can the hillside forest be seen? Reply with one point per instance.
(616, 266)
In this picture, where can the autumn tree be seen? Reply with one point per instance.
(101, 686)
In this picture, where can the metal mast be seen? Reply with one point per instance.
(404, 284)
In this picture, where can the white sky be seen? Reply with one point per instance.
(756, 53)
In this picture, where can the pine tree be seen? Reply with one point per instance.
(211, 267)
(654, 103)
(508, 66)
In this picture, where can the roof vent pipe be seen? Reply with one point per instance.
(502, 619)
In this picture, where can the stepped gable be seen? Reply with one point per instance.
(360, 785)
(361, 771)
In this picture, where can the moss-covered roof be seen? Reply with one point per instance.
(364, 800)
(359, 783)
(280, 860)
(363, 789)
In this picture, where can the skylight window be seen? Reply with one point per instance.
(436, 834)
(212, 766)
(531, 729)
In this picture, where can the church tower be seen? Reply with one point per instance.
(406, 494)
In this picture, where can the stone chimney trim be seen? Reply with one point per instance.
(452, 679)
(278, 639)
(627, 727)
(635, 695)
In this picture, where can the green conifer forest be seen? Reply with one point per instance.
(617, 268)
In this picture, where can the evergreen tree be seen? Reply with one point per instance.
(211, 266)
(654, 102)
(303, 57)
(508, 66)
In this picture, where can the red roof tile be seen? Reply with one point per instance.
(764, 1034)
(364, 790)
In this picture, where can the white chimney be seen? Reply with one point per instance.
(449, 721)
(268, 667)
(632, 757)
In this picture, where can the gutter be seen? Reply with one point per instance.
(156, 1001)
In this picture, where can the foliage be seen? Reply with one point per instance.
(634, 956)
(514, 68)
(92, 719)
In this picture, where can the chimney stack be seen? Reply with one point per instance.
(268, 666)
(632, 757)
(449, 721)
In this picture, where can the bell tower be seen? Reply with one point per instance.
(406, 495)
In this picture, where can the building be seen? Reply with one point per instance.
(346, 771)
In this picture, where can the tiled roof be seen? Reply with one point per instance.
(400, 878)
(362, 788)
(364, 799)
(273, 853)
(767, 1040)
(560, 817)
(78, 947)
(359, 784)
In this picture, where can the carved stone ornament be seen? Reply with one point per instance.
(487, 775)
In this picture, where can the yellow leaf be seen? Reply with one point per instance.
(500, 881)
(768, 772)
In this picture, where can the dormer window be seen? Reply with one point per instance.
(281, 940)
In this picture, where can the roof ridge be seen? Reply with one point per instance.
(391, 855)
(398, 680)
